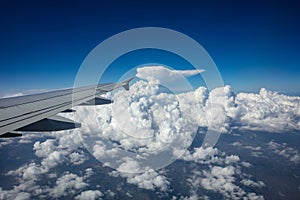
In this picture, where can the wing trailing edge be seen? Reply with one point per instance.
(10, 135)
(96, 101)
(55, 123)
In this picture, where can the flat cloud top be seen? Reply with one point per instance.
(161, 74)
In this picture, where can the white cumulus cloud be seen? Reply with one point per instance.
(89, 195)
(68, 182)
(143, 123)
(285, 151)
(149, 179)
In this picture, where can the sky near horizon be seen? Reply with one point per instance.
(254, 44)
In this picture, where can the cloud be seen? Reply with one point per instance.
(222, 179)
(246, 164)
(60, 150)
(149, 179)
(140, 121)
(200, 155)
(27, 177)
(174, 80)
(159, 74)
(23, 196)
(252, 183)
(268, 111)
(13, 95)
(282, 150)
(51, 154)
(149, 126)
(223, 174)
(89, 195)
(26, 92)
(256, 151)
(77, 158)
(285, 151)
(68, 182)
(30, 175)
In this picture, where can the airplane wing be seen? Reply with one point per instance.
(37, 112)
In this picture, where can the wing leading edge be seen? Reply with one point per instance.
(37, 112)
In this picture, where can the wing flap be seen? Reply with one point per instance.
(69, 110)
(97, 101)
(55, 123)
(9, 135)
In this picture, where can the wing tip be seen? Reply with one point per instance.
(126, 83)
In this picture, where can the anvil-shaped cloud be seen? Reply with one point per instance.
(162, 75)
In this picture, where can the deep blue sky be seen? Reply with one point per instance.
(254, 44)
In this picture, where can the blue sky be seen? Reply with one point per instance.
(254, 44)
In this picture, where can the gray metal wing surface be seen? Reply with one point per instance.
(37, 112)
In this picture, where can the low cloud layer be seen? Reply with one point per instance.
(285, 151)
(221, 174)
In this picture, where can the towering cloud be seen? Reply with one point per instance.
(149, 127)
